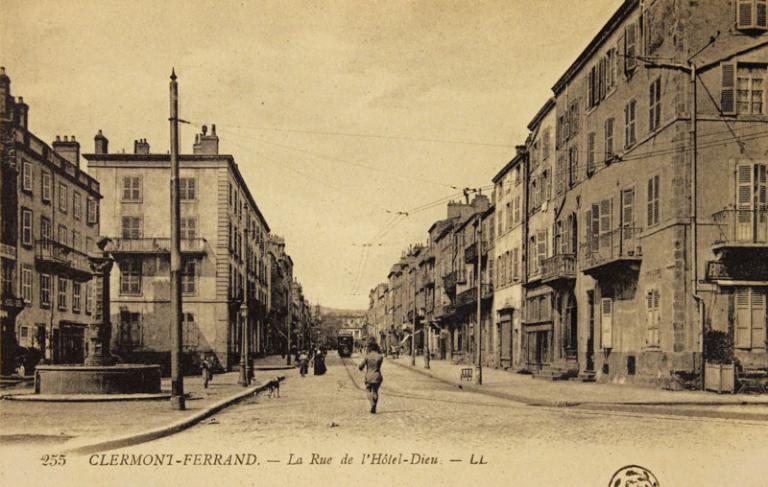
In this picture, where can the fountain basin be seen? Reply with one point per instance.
(97, 379)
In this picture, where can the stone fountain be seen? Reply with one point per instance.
(100, 374)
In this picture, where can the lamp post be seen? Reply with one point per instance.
(244, 373)
(177, 376)
(479, 344)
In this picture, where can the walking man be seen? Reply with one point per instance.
(373, 378)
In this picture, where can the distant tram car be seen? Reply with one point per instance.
(345, 343)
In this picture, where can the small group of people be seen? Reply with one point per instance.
(315, 356)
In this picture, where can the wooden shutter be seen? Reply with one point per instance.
(649, 319)
(743, 318)
(757, 306)
(627, 212)
(761, 204)
(595, 246)
(606, 322)
(630, 46)
(744, 17)
(761, 22)
(728, 88)
(744, 201)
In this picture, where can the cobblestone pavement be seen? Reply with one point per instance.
(423, 418)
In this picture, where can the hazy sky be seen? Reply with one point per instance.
(336, 112)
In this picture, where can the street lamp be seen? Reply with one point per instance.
(244, 372)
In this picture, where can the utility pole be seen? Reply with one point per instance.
(290, 322)
(413, 326)
(177, 376)
(426, 324)
(479, 344)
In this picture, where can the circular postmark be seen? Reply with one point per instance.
(633, 476)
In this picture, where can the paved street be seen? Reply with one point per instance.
(522, 445)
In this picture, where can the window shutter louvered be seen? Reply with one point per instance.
(627, 212)
(728, 88)
(588, 230)
(761, 22)
(595, 227)
(606, 322)
(744, 18)
(758, 318)
(630, 47)
(743, 318)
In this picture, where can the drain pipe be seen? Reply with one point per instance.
(694, 219)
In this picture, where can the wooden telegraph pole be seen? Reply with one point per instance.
(479, 344)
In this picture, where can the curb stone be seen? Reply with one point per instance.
(163, 431)
(559, 403)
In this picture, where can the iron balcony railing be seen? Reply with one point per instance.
(619, 244)
(469, 296)
(61, 257)
(741, 227)
(156, 245)
(561, 266)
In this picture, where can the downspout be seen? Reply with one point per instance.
(694, 219)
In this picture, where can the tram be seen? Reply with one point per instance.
(345, 343)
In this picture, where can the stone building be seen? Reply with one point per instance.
(50, 224)
(509, 246)
(224, 239)
(281, 277)
(669, 220)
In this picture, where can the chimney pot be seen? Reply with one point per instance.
(58, 138)
(213, 129)
(205, 129)
(66, 139)
(2, 70)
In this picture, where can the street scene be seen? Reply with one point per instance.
(401, 242)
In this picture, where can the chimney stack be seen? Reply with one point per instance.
(206, 144)
(141, 146)
(68, 148)
(101, 144)
(5, 93)
(22, 113)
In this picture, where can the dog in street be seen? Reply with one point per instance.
(273, 388)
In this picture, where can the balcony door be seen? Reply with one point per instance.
(751, 202)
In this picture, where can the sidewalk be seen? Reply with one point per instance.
(57, 422)
(525, 389)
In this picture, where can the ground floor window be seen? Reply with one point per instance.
(189, 327)
(130, 328)
(749, 318)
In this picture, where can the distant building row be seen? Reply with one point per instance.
(621, 234)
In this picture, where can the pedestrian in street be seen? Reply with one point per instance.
(373, 378)
(318, 363)
(206, 366)
(303, 363)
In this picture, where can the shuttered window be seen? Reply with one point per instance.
(751, 202)
(751, 15)
(629, 123)
(628, 213)
(749, 315)
(609, 145)
(652, 317)
(541, 248)
(606, 322)
(652, 217)
(131, 227)
(654, 105)
(130, 329)
(590, 153)
(630, 47)
(727, 88)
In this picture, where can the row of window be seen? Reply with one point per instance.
(133, 189)
(72, 239)
(79, 294)
(132, 227)
(131, 273)
(131, 330)
(46, 188)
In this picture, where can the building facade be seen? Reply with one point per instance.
(224, 239)
(279, 314)
(50, 226)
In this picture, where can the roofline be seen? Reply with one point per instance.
(115, 157)
(504, 170)
(546, 108)
(609, 28)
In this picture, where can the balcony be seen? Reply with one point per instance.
(560, 267)
(57, 258)
(470, 252)
(7, 251)
(449, 283)
(735, 272)
(156, 246)
(443, 311)
(469, 296)
(612, 252)
(741, 231)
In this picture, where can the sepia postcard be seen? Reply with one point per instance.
(403, 243)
